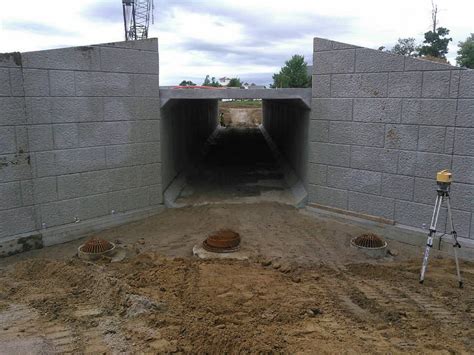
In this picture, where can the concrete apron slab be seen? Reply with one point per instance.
(398, 232)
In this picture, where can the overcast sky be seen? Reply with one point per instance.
(250, 39)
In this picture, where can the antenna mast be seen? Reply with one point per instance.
(136, 18)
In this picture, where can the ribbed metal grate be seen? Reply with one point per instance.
(369, 240)
(96, 246)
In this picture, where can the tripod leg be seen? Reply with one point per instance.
(431, 234)
(456, 244)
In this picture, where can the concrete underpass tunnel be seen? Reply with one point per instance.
(204, 162)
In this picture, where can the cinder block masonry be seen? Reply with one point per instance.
(381, 126)
(83, 146)
(80, 141)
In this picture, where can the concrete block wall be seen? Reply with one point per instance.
(186, 126)
(287, 121)
(381, 126)
(18, 214)
(82, 129)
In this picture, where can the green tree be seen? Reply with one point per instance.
(293, 75)
(436, 43)
(465, 56)
(187, 83)
(210, 82)
(406, 47)
(235, 83)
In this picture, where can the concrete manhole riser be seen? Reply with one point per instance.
(371, 245)
(94, 249)
(222, 241)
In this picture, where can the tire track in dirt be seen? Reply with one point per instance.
(432, 308)
(21, 321)
(332, 259)
(378, 305)
(342, 315)
(470, 305)
(62, 337)
(385, 296)
(347, 299)
(217, 306)
(91, 338)
(407, 302)
(45, 323)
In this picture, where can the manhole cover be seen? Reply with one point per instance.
(223, 241)
(369, 241)
(94, 248)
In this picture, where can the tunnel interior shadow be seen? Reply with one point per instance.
(237, 164)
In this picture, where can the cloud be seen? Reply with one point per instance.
(220, 52)
(37, 28)
(257, 78)
(242, 38)
(260, 27)
(108, 11)
(222, 35)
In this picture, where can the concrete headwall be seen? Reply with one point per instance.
(381, 126)
(80, 131)
(186, 126)
(286, 121)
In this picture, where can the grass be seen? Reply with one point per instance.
(242, 103)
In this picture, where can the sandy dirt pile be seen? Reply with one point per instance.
(303, 289)
(155, 303)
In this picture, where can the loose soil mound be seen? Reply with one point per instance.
(152, 303)
(304, 290)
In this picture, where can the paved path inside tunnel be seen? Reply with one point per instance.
(239, 168)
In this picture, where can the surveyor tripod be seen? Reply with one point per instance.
(444, 183)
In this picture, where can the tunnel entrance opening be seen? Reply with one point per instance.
(210, 159)
(239, 167)
(240, 113)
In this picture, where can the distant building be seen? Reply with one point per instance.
(224, 81)
(253, 86)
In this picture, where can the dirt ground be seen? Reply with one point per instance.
(303, 290)
(241, 113)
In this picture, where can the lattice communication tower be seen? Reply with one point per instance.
(136, 18)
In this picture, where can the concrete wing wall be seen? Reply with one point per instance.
(382, 125)
(186, 126)
(89, 118)
(286, 121)
(17, 210)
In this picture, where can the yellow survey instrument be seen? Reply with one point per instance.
(444, 176)
(443, 179)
